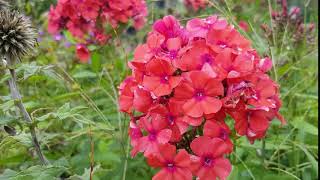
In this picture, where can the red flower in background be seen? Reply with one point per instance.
(244, 26)
(196, 4)
(88, 19)
(174, 166)
(184, 83)
(83, 53)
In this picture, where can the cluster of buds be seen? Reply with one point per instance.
(290, 21)
(89, 20)
(184, 83)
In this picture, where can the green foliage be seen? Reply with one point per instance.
(74, 106)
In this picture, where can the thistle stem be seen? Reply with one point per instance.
(18, 102)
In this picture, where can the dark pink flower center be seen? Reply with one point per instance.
(152, 136)
(164, 79)
(171, 119)
(207, 58)
(173, 54)
(208, 161)
(170, 166)
(222, 44)
(223, 134)
(199, 95)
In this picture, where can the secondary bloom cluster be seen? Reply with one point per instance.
(89, 19)
(184, 82)
(196, 4)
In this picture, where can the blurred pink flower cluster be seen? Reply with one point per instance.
(196, 4)
(87, 19)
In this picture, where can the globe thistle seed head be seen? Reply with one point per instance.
(17, 36)
(4, 5)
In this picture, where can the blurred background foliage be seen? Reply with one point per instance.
(74, 105)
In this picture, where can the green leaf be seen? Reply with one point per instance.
(312, 160)
(305, 126)
(69, 37)
(85, 175)
(96, 62)
(34, 173)
(85, 74)
(6, 119)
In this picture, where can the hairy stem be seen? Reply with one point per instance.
(18, 102)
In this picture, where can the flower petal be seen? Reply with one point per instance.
(193, 108)
(182, 159)
(164, 136)
(210, 105)
(222, 168)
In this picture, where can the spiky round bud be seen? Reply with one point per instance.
(17, 36)
(4, 5)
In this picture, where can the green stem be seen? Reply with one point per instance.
(18, 102)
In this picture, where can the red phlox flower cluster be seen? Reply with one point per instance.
(87, 19)
(184, 82)
(196, 4)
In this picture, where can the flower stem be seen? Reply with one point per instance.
(18, 102)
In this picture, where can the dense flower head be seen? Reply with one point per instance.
(184, 83)
(4, 5)
(89, 20)
(18, 37)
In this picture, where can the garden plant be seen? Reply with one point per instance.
(159, 89)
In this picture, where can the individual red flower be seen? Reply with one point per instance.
(126, 94)
(244, 26)
(199, 92)
(157, 134)
(170, 27)
(83, 53)
(229, 37)
(200, 27)
(200, 57)
(209, 162)
(174, 166)
(218, 129)
(145, 52)
(175, 118)
(160, 79)
(235, 67)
